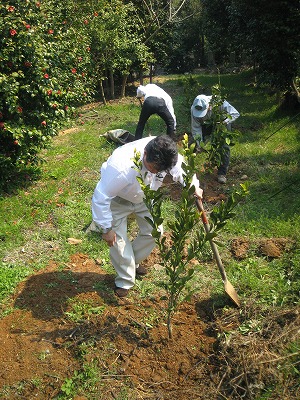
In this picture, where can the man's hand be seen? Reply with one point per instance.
(199, 192)
(110, 238)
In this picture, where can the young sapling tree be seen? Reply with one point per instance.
(220, 135)
(186, 233)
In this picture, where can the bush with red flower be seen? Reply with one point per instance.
(44, 73)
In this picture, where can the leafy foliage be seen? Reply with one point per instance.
(41, 79)
(115, 44)
(268, 32)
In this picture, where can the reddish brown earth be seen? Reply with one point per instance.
(128, 340)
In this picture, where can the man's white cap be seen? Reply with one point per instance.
(140, 91)
(200, 106)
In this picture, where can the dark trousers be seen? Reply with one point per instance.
(153, 105)
(225, 159)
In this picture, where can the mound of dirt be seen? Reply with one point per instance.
(239, 248)
(274, 247)
(266, 247)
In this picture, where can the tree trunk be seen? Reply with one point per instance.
(169, 325)
(102, 93)
(296, 91)
(151, 71)
(112, 84)
(124, 81)
(141, 76)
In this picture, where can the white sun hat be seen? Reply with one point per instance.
(200, 105)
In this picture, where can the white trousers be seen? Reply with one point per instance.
(126, 254)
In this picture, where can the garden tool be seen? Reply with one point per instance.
(229, 289)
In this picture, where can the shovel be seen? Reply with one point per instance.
(229, 289)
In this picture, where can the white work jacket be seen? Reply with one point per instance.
(119, 178)
(196, 123)
(153, 90)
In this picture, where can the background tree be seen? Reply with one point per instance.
(157, 21)
(268, 32)
(187, 42)
(116, 46)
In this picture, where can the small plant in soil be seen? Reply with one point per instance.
(220, 136)
(187, 235)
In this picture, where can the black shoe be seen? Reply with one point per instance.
(141, 270)
(120, 292)
(222, 179)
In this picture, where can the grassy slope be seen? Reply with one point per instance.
(38, 219)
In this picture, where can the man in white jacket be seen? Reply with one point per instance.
(156, 101)
(118, 194)
(201, 111)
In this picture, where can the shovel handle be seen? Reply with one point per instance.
(212, 244)
(203, 215)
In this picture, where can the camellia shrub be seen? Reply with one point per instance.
(44, 74)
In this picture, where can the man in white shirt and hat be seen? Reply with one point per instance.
(155, 101)
(201, 111)
(118, 194)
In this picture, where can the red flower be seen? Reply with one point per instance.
(50, 31)
(85, 21)
(83, 74)
(46, 76)
(27, 26)
(49, 92)
(27, 64)
(13, 32)
(43, 123)
(58, 92)
(19, 109)
(1, 125)
(66, 108)
(88, 49)
(96, 14)
(54, 105)
(10, 8)
(16, 142)
(73, 70)
(38, 4)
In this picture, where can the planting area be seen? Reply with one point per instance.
(67, 319)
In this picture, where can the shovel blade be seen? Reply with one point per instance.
(230, 290)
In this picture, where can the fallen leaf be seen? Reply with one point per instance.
(74, 241)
